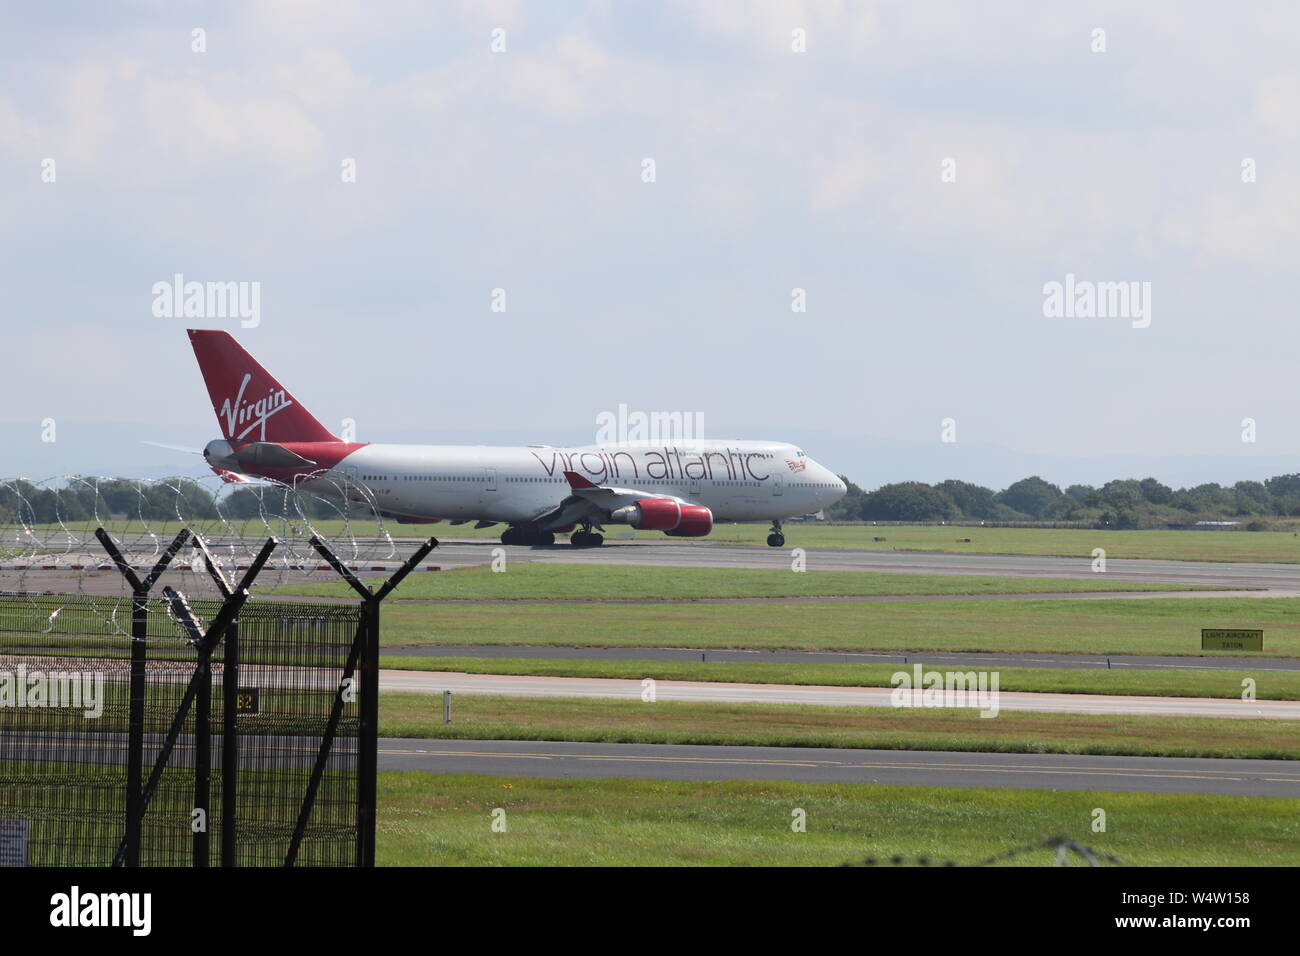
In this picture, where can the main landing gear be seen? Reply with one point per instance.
(526, 535)
(586, 538)
(529, 536)
(776, 539)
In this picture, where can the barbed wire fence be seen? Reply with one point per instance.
(48, 541)
(1062, 847)
(144, 585)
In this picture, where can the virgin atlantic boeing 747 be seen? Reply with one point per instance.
(680, 488)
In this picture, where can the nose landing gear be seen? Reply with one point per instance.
(776, 539)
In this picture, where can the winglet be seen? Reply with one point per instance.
(577, 482)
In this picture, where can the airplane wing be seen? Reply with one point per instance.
(269, 454)
(609, 497)
(230, 477)
(592, 502)
(185, 448)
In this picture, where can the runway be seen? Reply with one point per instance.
(962, 659)
(577, 760)
(1257, 778)
(1278, 577)
(435, 682)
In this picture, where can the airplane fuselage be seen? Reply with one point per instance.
(678, 487)
(736, 480)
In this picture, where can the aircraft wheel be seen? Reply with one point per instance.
(775, 540)
(546, 537)
(579, 539)
(510, 536)
(595, 540)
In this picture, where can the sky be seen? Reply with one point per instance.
(921, 171)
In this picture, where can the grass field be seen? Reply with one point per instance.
(1112, 626)
(551, 582)
(1261, 546)
(795, 725)
(444, 819)
(1273, 685)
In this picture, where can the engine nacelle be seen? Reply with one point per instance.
(651, 514)
(697, 521)
(219, 453)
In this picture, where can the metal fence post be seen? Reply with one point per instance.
(135, 727)
(229, 744)
(368, 737)
(366, 652)
(139, 648)
(203, 761)
(230, 693)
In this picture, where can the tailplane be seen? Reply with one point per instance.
(249, 403)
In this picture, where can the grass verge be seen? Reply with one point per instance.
(1111, 626)
(796, 725)
(445, 819)
(599, 582)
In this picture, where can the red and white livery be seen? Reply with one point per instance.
(680, 488)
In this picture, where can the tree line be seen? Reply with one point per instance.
(1122, 503)
(81, 500)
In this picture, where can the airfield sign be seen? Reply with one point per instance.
(1239, 639)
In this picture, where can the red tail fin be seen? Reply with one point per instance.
(249, 403)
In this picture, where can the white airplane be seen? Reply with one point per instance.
(680, 488)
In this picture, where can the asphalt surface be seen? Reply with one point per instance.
(436, 682)
(1285, 577)
(108, 749)
(965, 659)
(1279, 578)
(1098, 595)
(1257, 778)
(1254, 778)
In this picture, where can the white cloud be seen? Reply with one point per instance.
(1277, 104)
(766, 25)
(522, 168)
